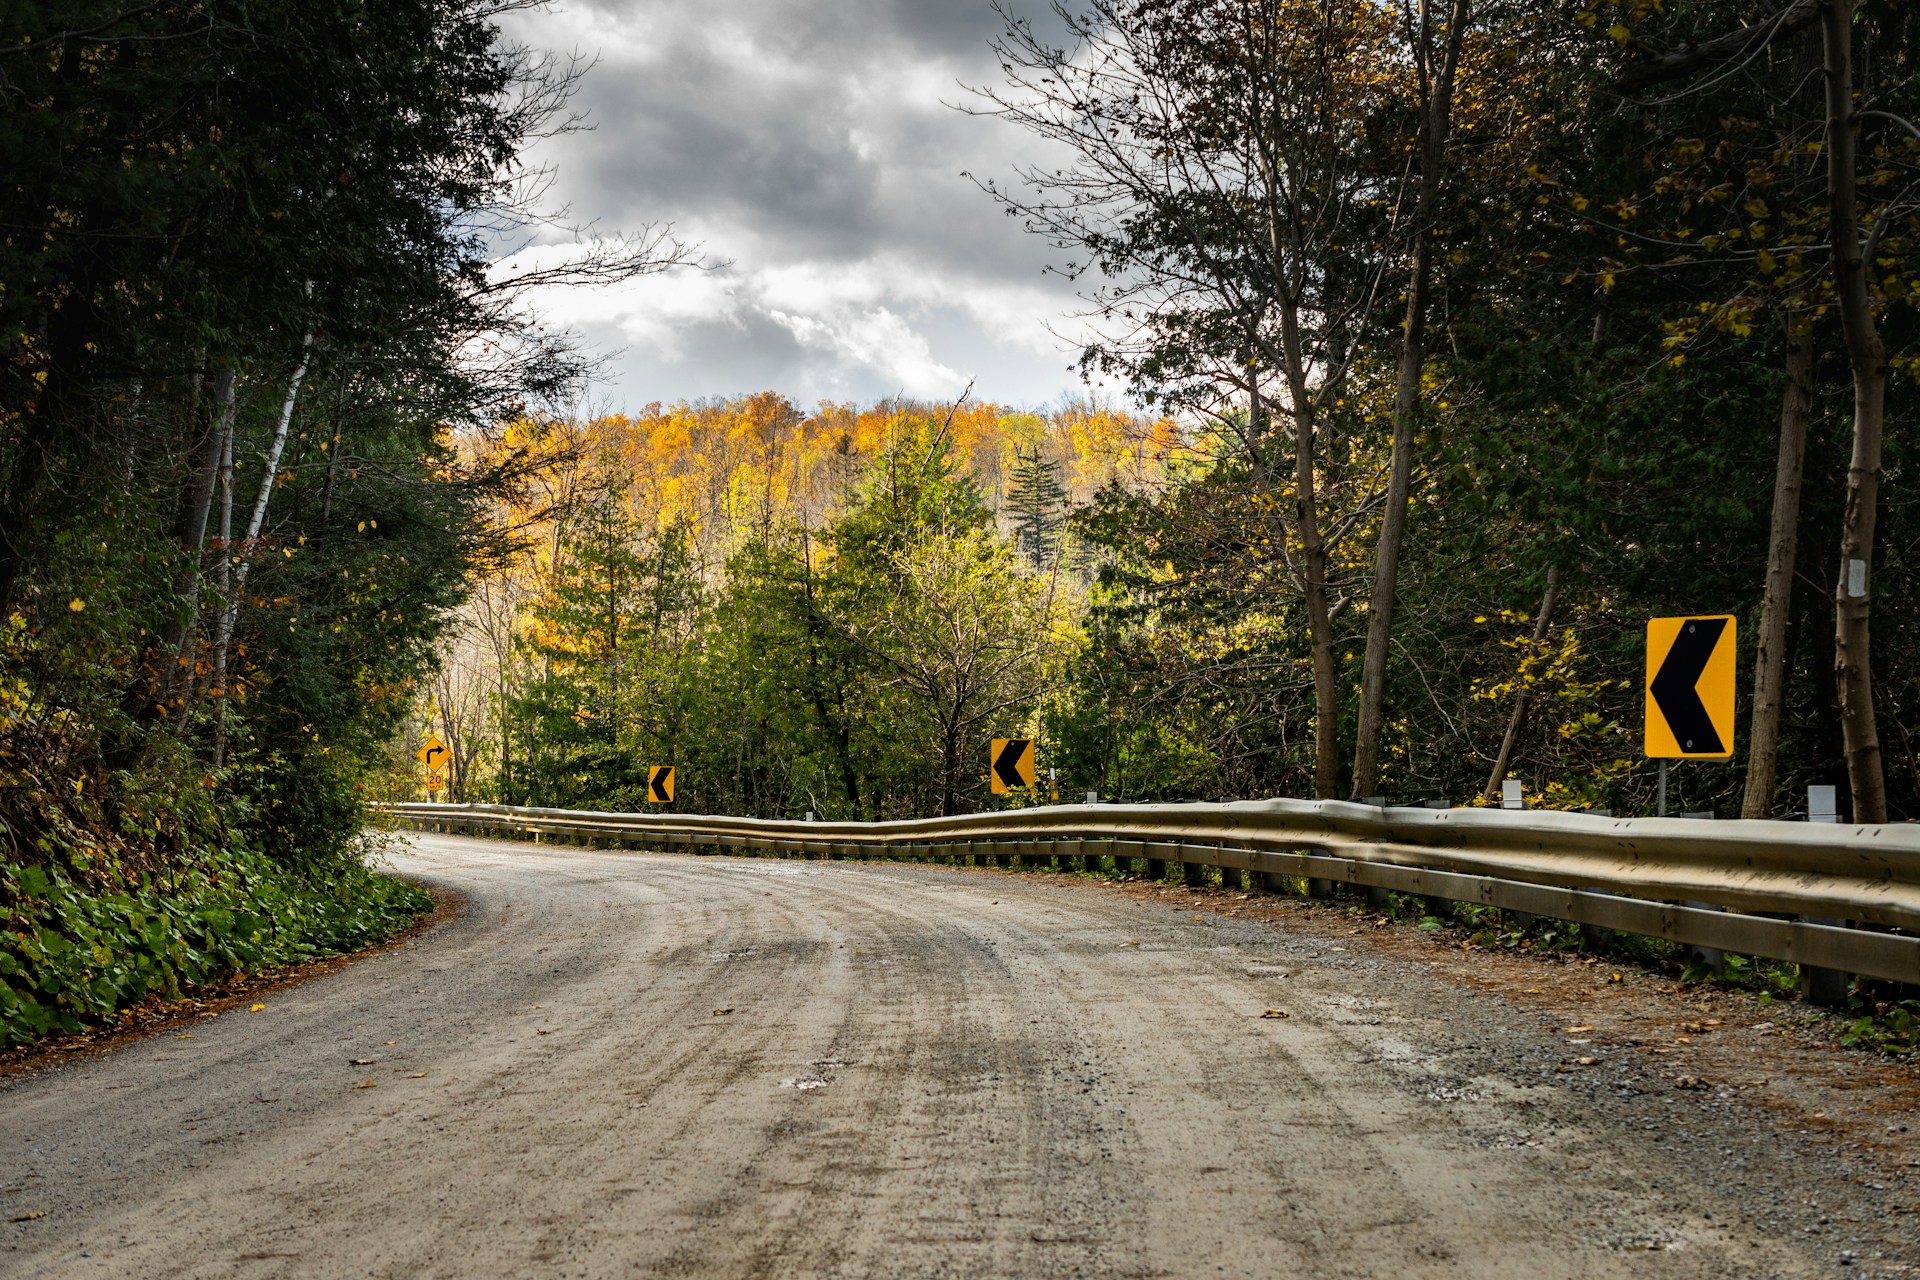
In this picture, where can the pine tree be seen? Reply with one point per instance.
(1037, 499)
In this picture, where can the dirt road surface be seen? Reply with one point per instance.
(637, 1065)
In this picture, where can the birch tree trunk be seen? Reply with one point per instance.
(242, 564)
(1866, 353)
(1769, 663)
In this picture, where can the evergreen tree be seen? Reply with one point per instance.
(1037, 500)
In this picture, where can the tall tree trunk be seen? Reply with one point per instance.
(1769, 663)
(177, 640)
(1435, 127)
(1511, 738)
(222, 586)
(243, 564)
(1866, 353)
(1313, 560)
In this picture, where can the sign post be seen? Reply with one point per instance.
(1689, 691)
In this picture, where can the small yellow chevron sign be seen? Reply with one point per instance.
(660, 784)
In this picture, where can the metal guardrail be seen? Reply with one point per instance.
(1843, 898)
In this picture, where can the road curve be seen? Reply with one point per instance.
(638, 1065)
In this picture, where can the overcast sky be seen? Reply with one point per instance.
(807, 142)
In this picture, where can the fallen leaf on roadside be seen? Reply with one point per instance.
(1131, 942)
(1199, 917)
(28, 1216)
(1586, 1062)
(721, 1013)
(1690, 1082)
(360, 1062)
(1276, 1013)
(184, 1035)
(258, 1008)
(368, 1085)
(1616, 978)
(1572, 1029)
(418, 1075)
(1533, 991)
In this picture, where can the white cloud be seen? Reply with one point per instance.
(808, 144)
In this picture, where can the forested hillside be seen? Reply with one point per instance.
(1469, 337)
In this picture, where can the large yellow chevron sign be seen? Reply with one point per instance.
(1012, 761)
(1690, 683)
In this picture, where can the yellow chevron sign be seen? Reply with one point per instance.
(1012, 764)
(1690, 685)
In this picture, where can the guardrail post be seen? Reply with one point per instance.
(1823, 986)
(1273, 881)
(1827, 987)
(1156, 869)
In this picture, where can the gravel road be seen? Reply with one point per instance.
(637, 1065)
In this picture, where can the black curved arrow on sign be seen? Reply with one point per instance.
(1673, 686)
(1006, 765)
(433, 757)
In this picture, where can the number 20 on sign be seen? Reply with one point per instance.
(1690, 683)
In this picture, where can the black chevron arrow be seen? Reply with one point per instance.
(657, 784)
(1007, 763)
(1673, 686)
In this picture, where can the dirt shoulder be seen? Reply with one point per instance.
(1776, 1062)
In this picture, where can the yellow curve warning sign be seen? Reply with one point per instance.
(435, 755)
(1012, 764)
(1690, 684)
(660, 784)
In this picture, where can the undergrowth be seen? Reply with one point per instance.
(71, 956)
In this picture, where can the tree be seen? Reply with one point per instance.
(1434, 49)
(1224, 187)
(1036, 498)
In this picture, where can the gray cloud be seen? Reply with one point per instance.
(810, 144)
